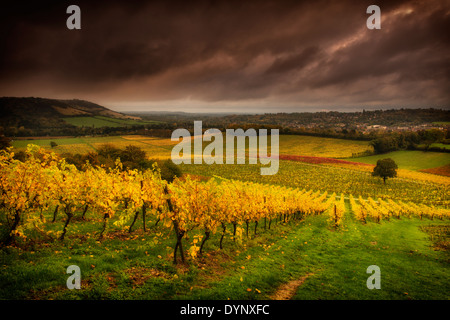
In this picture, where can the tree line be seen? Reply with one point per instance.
(411, 140)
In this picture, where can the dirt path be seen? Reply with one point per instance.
(288, 290)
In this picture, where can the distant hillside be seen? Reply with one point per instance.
(41, 116)
(48, 113)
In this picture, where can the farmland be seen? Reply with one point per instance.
(405, 231)
(289, 145)
(350, 175)
(218, 159)
(101, 121)
(334, 179)
(155, 147)
(321, 147)
(411, 160)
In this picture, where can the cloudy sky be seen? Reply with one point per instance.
(243, 56)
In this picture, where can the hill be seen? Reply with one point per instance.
(51, 117)
(44, 113)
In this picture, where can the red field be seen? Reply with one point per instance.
(320, 160)
(442, 171)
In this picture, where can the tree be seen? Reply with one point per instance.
(4, 142)
(385, 168)
(170, 170)
(132, 154)
(108, 151)
(384, 144)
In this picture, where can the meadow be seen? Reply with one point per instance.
(100, 121)
(157, 148)
(411, 160)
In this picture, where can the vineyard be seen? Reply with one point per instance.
(44, 190)
(45, 182)
(412, 187)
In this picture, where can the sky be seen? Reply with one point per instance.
(229, 56)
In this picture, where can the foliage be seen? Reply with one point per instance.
(336, 210)
(385, 168)
(5, 142)
(44, 180)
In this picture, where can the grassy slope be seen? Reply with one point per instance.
(155, 147)
(411, 160)
(139, 266)
(409, 267)
(91, 122)
(21, 144)
(101, 121)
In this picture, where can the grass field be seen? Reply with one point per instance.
(440, 145)
(411, 160)
(314, 261)
(45, 143)
(155, 147)
(99, 121)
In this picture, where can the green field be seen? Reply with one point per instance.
(411, 160)
(155, 147)
(99, 122)
(45, 143)
(332, 264)
(440, 145)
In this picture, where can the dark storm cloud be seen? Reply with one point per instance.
(293, 62)
(409, 44)
(279, 52)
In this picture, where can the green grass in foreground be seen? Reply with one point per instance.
(139, 265)
(411, 160)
